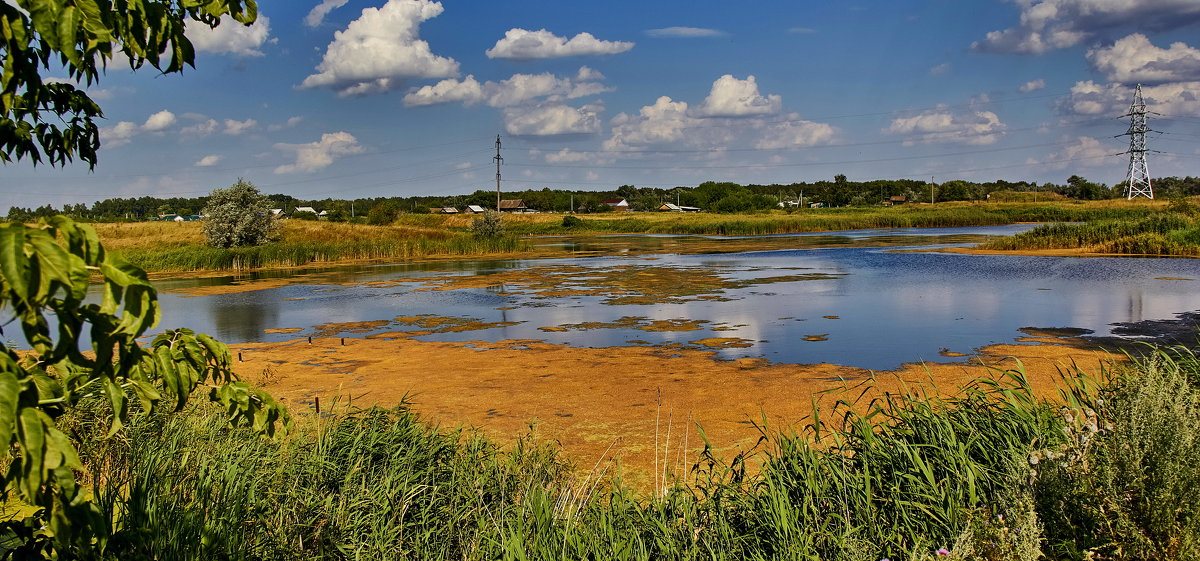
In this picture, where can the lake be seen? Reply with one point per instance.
(852, 298)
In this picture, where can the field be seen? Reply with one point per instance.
(179, 247)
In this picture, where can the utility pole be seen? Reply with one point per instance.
(932, 183)
(1137, 180)
(498, 160)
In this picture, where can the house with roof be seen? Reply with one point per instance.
(307, 209)
(474, 209)
(617, 204)
(513, 205)
(670, 207)
(443, 210)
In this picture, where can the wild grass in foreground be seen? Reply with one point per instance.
(1169, 233)
(993, 473)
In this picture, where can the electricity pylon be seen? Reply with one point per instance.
(1137, 181)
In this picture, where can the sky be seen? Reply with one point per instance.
(372, 98)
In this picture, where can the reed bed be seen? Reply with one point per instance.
(159, 247)
(991, 472)
(1161, 234)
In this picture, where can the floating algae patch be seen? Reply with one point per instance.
(816, 338)
(724, 343)
(1055, 331)
(331, 329)
(674, 325)
(284, 330)
(951, 354)
(430, 323)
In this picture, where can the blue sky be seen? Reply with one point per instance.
(365, 98)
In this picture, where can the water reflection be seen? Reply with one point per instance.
(844, 298)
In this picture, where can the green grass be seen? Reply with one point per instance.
(1162, 233)
(992, 473)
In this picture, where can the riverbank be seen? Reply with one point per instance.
(612, 404)
(171, 248)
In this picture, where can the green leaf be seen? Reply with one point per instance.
(31, 437)
(14, 265)
(10, 392)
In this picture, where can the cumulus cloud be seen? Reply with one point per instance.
(123, 132)
(517, 89)
(552, 118)
(318, 155)
(202, 128)
(793, 133)
(684, 32)
(159, 121)
(209, 160)
(731, 97)
(1055, 24)
(567, 156)
(1083, 150)
(524, 44)
(1134, 59)
(233, 127)
(231, 37)
(941, 125)
(1090, 98)
(318, 13)
(291, 122)
(1032, 86)
(380, 50)
(660, 123)
(940, 70)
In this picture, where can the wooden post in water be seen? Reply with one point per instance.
(317, 404)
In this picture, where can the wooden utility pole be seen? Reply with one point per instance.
(498, 160)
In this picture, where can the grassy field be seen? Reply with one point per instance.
(1163, 233)
(1107, 472)
(178, 247)
(169, 246)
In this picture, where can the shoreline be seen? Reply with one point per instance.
(603, 405)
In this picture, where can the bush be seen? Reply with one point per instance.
(488, 225)
(304, 215)
(238, 216)
(572, 221)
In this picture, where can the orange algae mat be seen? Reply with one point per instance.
(603, 405)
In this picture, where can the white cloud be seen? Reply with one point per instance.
(209, 160)
(552, 118)
(941, 125)
(1090, 98)
(203, 128)
(940, 70)
(802, 30)
(1134, 59)
(317, 15)
(794, 132)
(731, 97)
(1055, 24)
(1085, 150)
(684, 32)
(566, 156)
(524, 44)
(586, 74)
(661, 123)
(1032, 86)
(320, 154)
(159, 121)
(231, 37)
(238, 127)
(381, 49)
(291, 122)
(119, 134)
(517, 89)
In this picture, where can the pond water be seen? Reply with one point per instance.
(848, 298)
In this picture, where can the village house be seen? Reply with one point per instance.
(617, 204)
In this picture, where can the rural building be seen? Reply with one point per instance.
(444, 210)
(323, 215)
(513, 205)
(474, 209)
(277, 212)
(670, 207)
(304, 209)
(898, 199)
(617, 204)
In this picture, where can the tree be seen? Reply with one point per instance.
(238, 216)
(56, 120)
(46, 271)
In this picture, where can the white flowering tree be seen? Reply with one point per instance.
(238, 216)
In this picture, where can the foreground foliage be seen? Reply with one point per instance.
(87, 349)
(993, 473)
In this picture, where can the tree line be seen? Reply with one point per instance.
(710, 196)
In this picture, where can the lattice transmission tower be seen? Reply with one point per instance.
(1137, 181)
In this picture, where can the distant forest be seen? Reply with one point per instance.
(709, 196)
